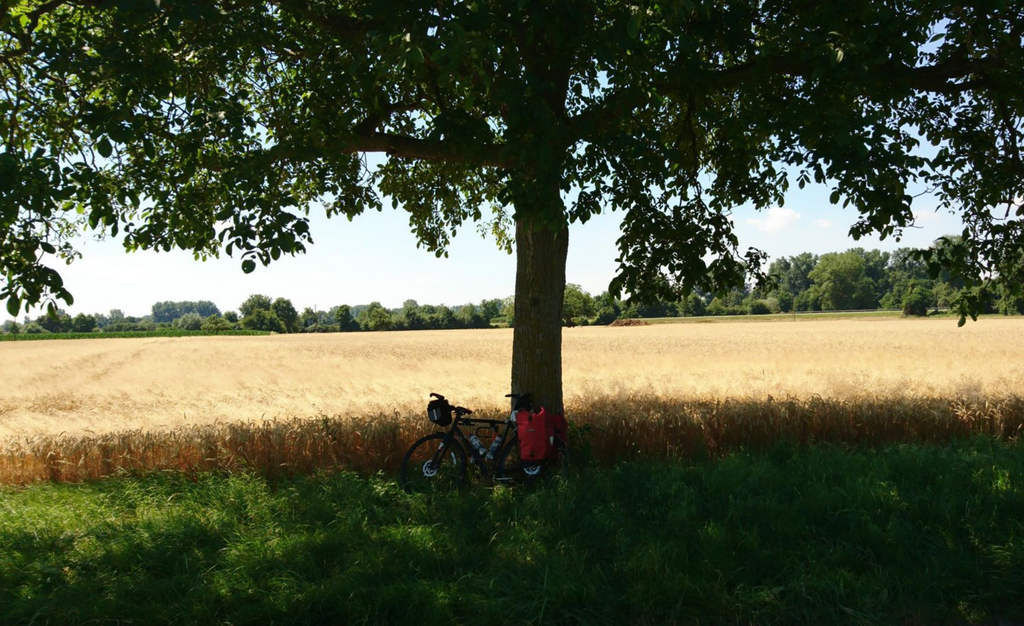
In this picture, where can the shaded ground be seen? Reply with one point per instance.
(831, 535)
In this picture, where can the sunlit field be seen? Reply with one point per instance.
(81, 387)
(357, 399)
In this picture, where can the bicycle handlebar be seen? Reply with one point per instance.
(437, 395)
(461, 410)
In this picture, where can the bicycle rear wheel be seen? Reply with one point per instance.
(511, 469)
(433, 465)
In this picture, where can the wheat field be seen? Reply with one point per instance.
(80, 409)
(97, 386)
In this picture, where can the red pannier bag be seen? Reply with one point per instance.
(534, 440)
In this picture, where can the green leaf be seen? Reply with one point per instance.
(416, 55)
(248, 266)
(104, 148)
(13, 305)
(834, 198)
(634, 24)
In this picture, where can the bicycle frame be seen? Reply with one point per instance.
(480, 460)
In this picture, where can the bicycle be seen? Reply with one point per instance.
(439, 462)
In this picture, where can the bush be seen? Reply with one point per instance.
(189, 321)
(807, 301)
(917, 301)
(717, 308)
(216, 324)
(34, 329)
(785, 300)
(758, 307)
(262, 319)
(606, 315)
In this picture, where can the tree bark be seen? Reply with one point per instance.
(537, 338)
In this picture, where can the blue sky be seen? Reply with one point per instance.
(375, 257)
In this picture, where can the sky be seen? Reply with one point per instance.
(375, 258)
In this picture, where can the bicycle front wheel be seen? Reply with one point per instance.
(432, 464)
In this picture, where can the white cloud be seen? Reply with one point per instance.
(777, 220)
(823, 223)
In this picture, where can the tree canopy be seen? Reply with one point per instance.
(215, 126)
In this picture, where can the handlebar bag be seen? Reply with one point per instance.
(440, 412)
(534, 440)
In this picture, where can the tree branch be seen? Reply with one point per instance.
(341, 26)
(935, 78)
(488, 155)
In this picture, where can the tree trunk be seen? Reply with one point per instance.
(537, 338)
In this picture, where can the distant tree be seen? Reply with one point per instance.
(116, 316)
(444, 318)
(785, 300)
(190, 321)
(375, 317)
(166, 311)
(808, 300)
(55, 322)
(11, 327)
(758, 307)
(577, 305)
(285, 311)
(468, 316)
(255, 303)
(692, 306)
(508, 310)
(33, 328)
(412, 315)
(216, 324)
(842, 282)
(263, 319)
(490, 309)
(203, 308)
(309, 318)
(231, 316)
(917, 300)
(83, 323)
(344, 319)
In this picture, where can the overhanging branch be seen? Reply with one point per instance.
(940, 78)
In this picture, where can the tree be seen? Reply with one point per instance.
(841, 282)
(216, 324)
(375, 317)
(11, 327)
(285, 311)
(412, 315)
(916, 301)
(343, 318)
(309, 318)
(263, 319)
(577, 305)
(219, 124)
(255, 302)
(189, 321)
(231, 317)
(83, 323)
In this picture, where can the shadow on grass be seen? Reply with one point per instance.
(902, 535)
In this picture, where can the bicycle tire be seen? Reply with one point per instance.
(512, 470)
(416, 474)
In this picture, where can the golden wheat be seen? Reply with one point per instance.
(71, 410)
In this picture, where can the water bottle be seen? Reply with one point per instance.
(495, 446)
(479, 447)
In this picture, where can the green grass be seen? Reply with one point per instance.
(911, 534)
(129, 334)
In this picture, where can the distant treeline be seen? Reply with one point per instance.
(853, 280)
